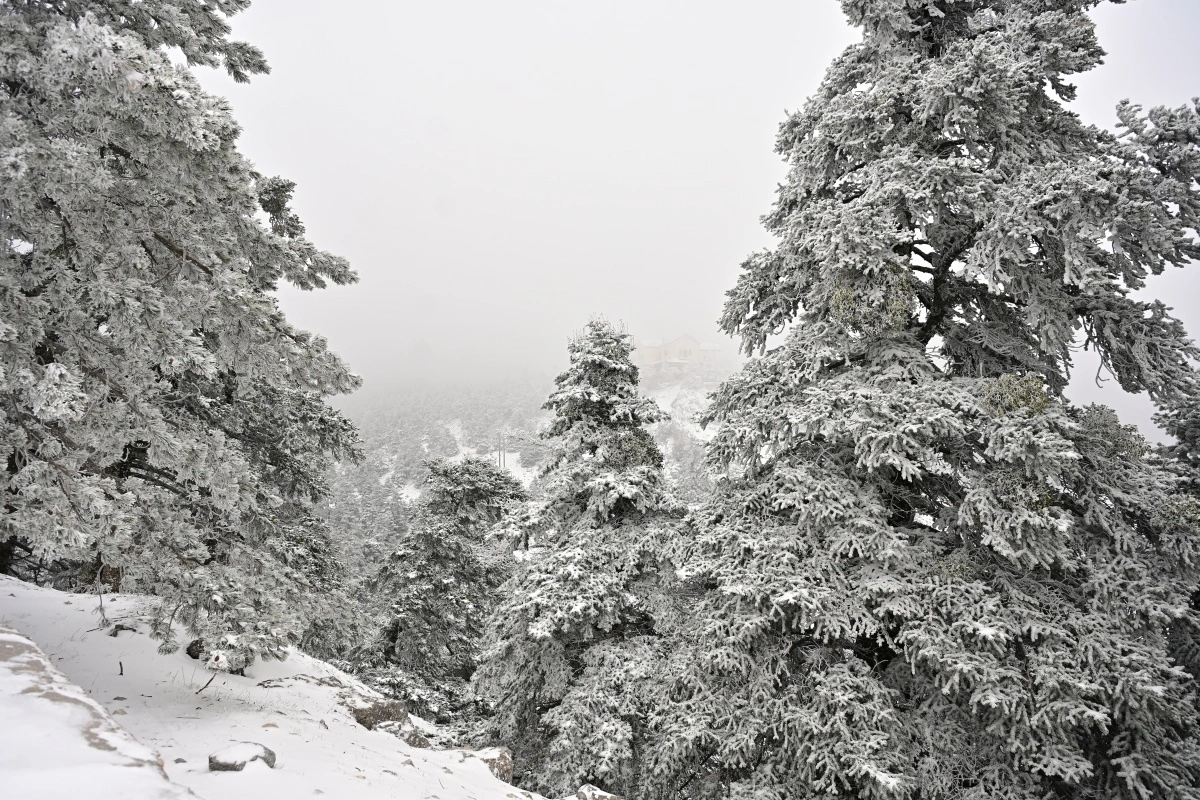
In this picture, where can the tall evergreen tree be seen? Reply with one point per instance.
(1182, 422)
(162, 420)
(930, 575)
(579, 646)
(440, 584)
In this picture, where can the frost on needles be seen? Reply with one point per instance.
(578, 646)
(931, 576)
(437, 587)
(164, 426)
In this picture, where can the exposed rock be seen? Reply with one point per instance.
(372, 715)
(195, 649)
(235, 757)
(406, 733)
(499, 761)
(414, 739)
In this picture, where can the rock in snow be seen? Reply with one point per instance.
(235, 757)
(372, 714)
(499, 761)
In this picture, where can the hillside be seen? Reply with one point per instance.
(299, 708)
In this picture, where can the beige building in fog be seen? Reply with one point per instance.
(682, 355)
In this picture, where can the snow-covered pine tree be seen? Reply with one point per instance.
(440, 585)
(163, 423)
(930, 575)
(578, 647)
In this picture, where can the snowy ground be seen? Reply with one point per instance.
(511, 459)
(512, 463)
(56, 742)
(293, 707)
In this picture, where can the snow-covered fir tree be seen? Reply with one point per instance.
(164, 425)
(365, 514)
(929, 575)
(603, 461)
(576, 663)
(1182, 422)
(439, 585)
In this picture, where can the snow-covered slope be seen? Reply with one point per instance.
(56, 742)
(296, 708)
(685, 401)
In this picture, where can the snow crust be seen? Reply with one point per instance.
(295, 707)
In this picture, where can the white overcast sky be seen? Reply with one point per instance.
(499, 171)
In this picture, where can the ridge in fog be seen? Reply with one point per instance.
(497, 173)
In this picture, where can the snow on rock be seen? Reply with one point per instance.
(417, 732)
(297, 708)
(408, 732)
(370, 713)
(56, 742)
(589, 792)
(235, 757)
(499, 761)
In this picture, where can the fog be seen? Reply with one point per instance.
(499, 172)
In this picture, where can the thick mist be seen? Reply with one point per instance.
(498, 172)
